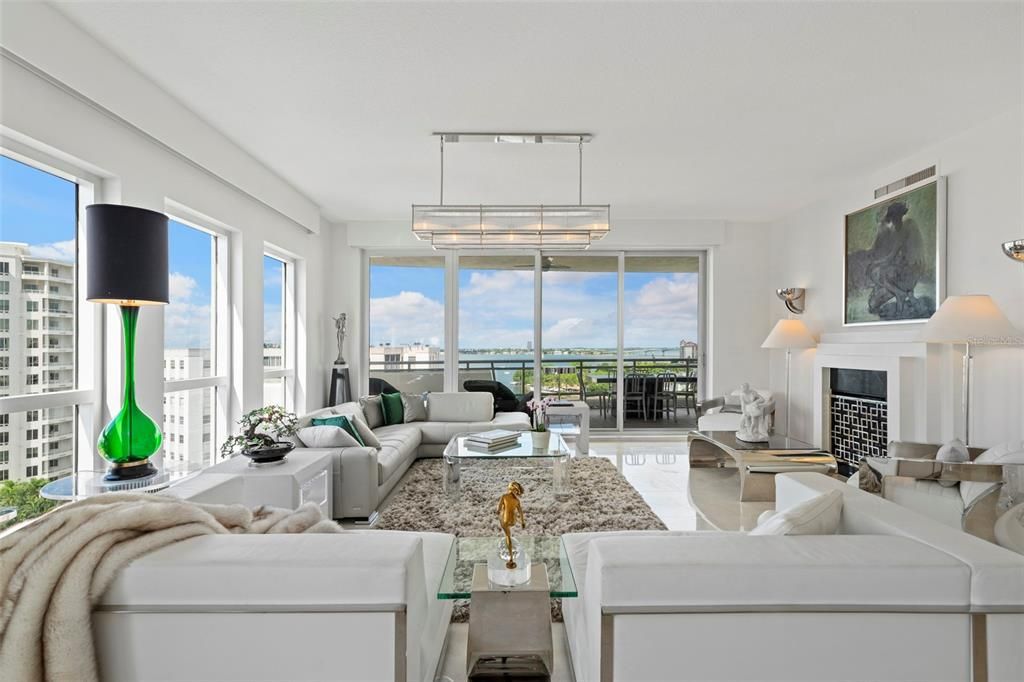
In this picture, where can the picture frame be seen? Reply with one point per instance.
(894, 257)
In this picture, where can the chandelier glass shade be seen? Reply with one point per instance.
(483, 226)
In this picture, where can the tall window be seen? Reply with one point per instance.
(193, 376)
(407, 324)
(38, 303)
(496, 324)
(278, 332)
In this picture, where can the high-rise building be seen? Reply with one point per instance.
(188, 427)
(37, 355)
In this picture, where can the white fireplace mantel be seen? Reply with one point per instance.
(905, 363)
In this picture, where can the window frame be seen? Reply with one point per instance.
(88, 321)
(221, 371)
(289, 336)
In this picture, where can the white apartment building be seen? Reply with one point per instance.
(188, 415)
(399, 357)
(37, 355)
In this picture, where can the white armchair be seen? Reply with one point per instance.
(723, 413)
(951, 503)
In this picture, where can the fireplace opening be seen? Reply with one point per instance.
(858, 416)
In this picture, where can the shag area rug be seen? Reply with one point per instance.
(600, 498)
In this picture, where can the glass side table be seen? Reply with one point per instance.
(509, 627)
(85, 484)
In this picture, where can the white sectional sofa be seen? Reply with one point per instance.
(359, 606)
(363, 476)
(893, 596)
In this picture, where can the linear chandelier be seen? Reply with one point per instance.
(495, 226)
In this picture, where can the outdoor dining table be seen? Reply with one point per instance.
(652, 385)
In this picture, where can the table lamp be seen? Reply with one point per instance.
(789, 334)
(126, 261)
(971, 319)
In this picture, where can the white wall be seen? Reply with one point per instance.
(39, 113)
(985, 206)
(737, 278)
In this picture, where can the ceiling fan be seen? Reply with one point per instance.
(547, 264)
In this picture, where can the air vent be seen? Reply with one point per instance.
(905, 182)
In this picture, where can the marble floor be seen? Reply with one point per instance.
(659, 469)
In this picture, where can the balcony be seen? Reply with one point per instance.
(45, 277)
(656, 401)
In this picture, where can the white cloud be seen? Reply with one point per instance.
(186, 323)
(663, 312)
(500, 281)
(62, 251)
(181, 287)
(406, 318)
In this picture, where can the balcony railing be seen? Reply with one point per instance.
(562, 376)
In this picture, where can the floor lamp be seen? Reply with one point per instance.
(969, 320)
(789, 334)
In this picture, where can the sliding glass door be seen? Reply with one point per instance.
(406, 324)
(496, 326)
(579, 330)
(661, 339)
(621, 331)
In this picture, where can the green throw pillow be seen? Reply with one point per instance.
(341, 422)
(391, 404)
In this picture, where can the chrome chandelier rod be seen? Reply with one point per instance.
(516, 138)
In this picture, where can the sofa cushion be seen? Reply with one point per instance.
(327, 437)
(927, 497)
(355, 414)
(511, 421)
(460, 407)
(1005, 453)
(342, 422)
(414, 409)
(391, 405)
(307, 420)
(817, 516)
(372, 411)
(398, 445)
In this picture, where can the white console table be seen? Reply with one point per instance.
(580, 412)
(304, 476)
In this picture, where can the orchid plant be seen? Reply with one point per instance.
(538, 407)
(261, 428)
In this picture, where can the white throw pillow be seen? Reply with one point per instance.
(953, 452)
(1006, 453)
(326, 437)
(355, 415)
(817, 516)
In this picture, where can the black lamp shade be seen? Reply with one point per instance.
(127, 255)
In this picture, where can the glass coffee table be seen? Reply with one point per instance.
(466, 553)
(509, 627)
(556, 453)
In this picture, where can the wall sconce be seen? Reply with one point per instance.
(794, 298)
(1015, 250)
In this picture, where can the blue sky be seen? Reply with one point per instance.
(496, 308)
(37, 208)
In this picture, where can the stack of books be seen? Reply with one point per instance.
(493, 441)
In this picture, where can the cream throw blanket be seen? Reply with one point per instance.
(53, 571)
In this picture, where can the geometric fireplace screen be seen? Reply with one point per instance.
(859, 428)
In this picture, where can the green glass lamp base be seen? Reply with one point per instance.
(132, 436)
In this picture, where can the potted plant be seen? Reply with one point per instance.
(262, 430)
(541, 435)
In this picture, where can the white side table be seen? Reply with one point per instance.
(580, 412)
(304, 476)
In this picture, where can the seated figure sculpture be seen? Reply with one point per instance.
(754, 411)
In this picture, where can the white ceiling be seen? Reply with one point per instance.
(738, 111)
